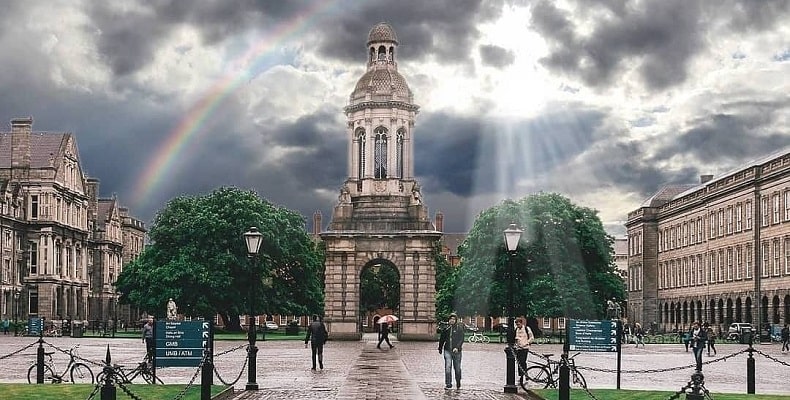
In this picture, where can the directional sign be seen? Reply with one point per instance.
(35, 326)
(180, 343)
(596, 336)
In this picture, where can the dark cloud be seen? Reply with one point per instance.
(496, 56)
(754, 15)
(660, 37)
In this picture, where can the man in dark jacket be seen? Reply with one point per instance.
(316, 335)
(451, 341)
(384, 335)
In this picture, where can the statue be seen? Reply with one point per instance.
(416, 195)
(172, 310)
(345, 195)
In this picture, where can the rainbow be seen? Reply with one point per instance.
(162, 163)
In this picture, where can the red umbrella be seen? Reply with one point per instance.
(387, 319)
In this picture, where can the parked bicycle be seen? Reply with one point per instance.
(78, 372)
(548, 373)
(144, 370)
(477, 337)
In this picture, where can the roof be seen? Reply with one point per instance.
(44, 146)
(665, 194)
(385, 81)
(382, 32)
(105, 207)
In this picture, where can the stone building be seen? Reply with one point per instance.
(61, 245)
(380, 218)
(716, 251)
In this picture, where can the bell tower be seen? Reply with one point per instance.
(380, 216)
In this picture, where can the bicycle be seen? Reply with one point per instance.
(548, 373)
(477, 337)
(78, 372)
(143, 370)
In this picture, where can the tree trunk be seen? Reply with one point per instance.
(231, 322)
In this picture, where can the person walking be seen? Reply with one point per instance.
(524, 338)
(451, 342)
(711, 338)
(785, 338)
(698, 338)
(384, 335)
(316, 335)
(638, 334)
(5, 324)
(148, 339)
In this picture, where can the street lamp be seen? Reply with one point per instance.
(253, 239)
(17, 293)
(512, 237)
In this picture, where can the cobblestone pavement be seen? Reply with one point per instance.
(357, 370)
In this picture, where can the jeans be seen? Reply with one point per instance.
(698, 356)
(318, 350)
(521, 358)
(452, 361)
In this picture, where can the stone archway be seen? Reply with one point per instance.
(379, 293)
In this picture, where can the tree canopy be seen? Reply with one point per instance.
(379, 288)
(198, 257)
(563, 265)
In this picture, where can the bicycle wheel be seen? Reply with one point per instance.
(578, 378)
(540, 375)
(31, 373)
(471, 339)
(81, 373)
(486, 339)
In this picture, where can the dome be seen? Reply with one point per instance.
(382, 32)
(382, 81)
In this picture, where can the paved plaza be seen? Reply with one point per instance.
(414, 370)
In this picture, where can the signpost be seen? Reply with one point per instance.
(594, 336)
(181, 343)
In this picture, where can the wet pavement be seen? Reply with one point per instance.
(415, 370)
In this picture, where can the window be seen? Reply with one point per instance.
(399, 151)
(738, 262)
(34, 206)
(32, 301)
(712, 223)
(33, 258)
(720, 266)
(361, 153)
(787, 255)
(749, 214)
(766, 211)
(561, 322)
(380, 153)
(730, 274)
(546, 323)
(700, 270)
(7, 271)
(729, 220)
(720, 219)
(712, 266)
(787, 205)
(766, 257)
(777, 258)
(776, 209)
(700, 229)
(738, 217)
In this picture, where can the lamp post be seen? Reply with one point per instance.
(253, 239)
(17, 293)
(512, 237)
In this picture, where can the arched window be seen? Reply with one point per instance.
(382, 53)
(360, 138)
(380, 153)
(399, 137)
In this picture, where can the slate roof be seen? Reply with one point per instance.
(44, 146)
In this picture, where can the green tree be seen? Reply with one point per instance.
(199, 258)
(563, 265)
(445, 285)
(379, 288)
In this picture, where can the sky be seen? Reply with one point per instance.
(603, 101)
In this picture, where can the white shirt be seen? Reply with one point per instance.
(524, 337)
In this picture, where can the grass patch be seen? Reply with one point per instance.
(22, 391)
(614, 394)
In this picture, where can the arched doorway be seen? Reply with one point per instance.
(748, 310)
(379, 293)
(775, 310)
(738, 310)
(787, 309)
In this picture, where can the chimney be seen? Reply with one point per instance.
(21, 129)
(705, 178)
(92, 191)
(317, 222)
(439, 221)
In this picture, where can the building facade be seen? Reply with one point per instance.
(380, 218)
(62, 246)
(717, 251)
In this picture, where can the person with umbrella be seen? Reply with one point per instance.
(450, 342)
(384, 330)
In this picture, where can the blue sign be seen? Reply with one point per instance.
(595, 336)
(180, 343)
(35, 326)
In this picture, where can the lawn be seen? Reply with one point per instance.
(614, 394)
(23, 391)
